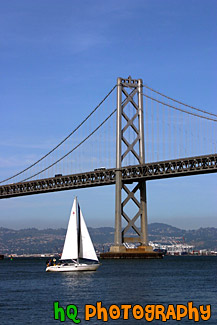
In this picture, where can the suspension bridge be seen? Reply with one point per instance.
(133, 135)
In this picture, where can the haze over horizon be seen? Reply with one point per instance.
(154, 222)
(59, 59)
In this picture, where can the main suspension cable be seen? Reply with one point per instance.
(179, 109)
(24, 170)
(73, 149)
(197, 109)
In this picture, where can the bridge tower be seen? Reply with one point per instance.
(129, 92)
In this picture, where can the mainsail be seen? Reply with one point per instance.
(70, 249)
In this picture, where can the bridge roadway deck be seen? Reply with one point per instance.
(130, 174)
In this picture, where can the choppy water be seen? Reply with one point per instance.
(27, 292)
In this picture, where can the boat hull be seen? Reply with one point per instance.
(72, 268)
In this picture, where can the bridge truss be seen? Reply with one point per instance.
(159, 170)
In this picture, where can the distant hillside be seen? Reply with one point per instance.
(34, 241)
(203, 238)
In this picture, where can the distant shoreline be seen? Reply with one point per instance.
(34, 242)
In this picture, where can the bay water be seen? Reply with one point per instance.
(27, 292)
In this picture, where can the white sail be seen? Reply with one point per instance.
(70, 249)
(86, 246)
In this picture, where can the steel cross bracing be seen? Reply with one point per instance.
(131, 89)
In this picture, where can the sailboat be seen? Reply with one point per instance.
(77, 245)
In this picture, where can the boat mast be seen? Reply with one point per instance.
(79, 229)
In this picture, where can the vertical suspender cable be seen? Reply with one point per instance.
(198, 136)
(215, 137)
(152, 130)
(169, 133)
(186, 133)
(105, 147)
(191, 135)
(179, 133)
(174, 135)
(147, 159)
(210, 139)
(163, 122)
(158, 145)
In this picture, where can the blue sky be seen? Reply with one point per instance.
(60, 58)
